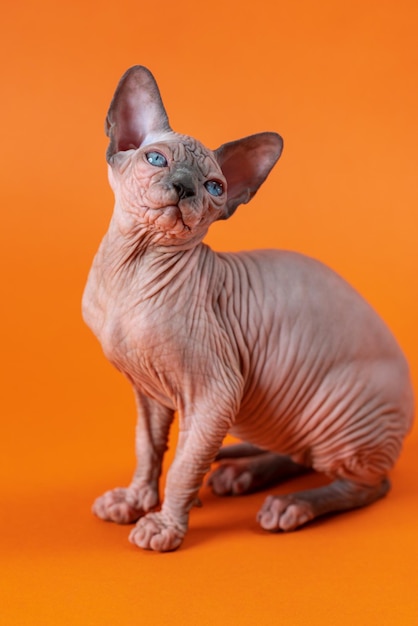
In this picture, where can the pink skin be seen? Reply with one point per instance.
(270, 346)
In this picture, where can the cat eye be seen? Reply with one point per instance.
(157, 159)
(214, 187)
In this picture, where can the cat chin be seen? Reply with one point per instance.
(170, 231)
(179, 237)
(170, 219)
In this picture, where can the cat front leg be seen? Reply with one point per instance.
(196, 450)
(125, 505)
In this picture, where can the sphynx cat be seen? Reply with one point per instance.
(270, 346)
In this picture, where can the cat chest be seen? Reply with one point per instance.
(143, 350)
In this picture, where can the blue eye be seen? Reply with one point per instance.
(157, 159)
(214, 187)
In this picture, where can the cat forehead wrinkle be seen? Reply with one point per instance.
(191, 150)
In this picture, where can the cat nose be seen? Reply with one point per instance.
(184, 182)
(184, 189)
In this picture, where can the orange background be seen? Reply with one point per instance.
(339, 81)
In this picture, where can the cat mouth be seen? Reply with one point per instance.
(171, 220)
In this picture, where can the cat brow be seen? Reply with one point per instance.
(194, 151)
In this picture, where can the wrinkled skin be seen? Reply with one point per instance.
(270, 346)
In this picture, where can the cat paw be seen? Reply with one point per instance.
(248, 474)
(125, 505)
(231, 478)
(155, 532)
(284, 513)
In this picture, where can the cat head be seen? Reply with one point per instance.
(170, 184)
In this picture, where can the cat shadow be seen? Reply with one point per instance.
(233, 515)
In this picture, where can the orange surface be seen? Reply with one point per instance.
(339, 81)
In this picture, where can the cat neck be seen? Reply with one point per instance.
(129, 256)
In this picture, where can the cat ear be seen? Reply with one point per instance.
(135, 112)
(246, 163)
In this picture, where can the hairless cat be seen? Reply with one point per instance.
(270, 346)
